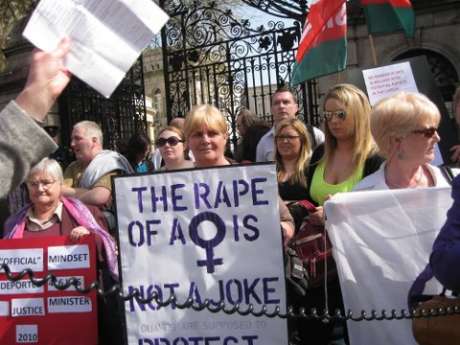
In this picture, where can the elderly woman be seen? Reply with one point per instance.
(171, 143)
(50, 214)
(404, 127)
(206, 132)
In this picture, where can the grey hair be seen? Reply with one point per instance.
(92, 129)
(50, 167)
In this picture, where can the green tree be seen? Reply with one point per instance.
(11, 11)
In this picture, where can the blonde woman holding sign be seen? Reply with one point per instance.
(206, 133)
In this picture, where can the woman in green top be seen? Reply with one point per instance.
(348, 153)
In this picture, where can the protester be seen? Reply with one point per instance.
(445, 256)
(347, 156)
(284, 106)
(206, 133)
(171, 143)
(455, 156)
(88, 178)
(137, 153)
(22, 142)
(250, 129)
(404, 127)
(293, 152)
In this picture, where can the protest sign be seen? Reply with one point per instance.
(386, 80)
(206, 234)
(381, 242)
(32, 314)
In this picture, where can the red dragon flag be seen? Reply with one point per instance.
(389, 15)
(323, 45)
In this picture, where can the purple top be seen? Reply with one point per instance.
(445, 257)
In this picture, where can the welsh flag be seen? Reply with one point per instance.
(323, 45)
(389, 15)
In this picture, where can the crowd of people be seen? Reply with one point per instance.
(389, 146)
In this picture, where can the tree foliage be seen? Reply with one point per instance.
(11, 11)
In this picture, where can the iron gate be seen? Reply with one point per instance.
(120, 116)
(211, 57)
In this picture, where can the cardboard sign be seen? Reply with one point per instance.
(202, 234)
(46, 315)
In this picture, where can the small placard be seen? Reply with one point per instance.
(26, 334)
(21, 307)
(68, 257)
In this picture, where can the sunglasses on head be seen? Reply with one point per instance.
(427, 132)
(172, 141)
(341, 114)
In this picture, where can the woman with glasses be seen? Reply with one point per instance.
(52, 214)
(404, 127)
(172, 148)
(292, 155)
(347, 155)
(349, 152)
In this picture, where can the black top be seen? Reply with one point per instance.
(246, 149)
(371, 165)
(292, 191)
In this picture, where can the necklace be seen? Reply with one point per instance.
(416, 182)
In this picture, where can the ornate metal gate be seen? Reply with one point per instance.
(211, 57)
(119, 116)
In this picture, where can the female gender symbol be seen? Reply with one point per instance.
(208, 245)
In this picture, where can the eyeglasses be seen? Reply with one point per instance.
(45, 183)
(341, 114)
(286, 137)
(172, 141)
(427, 132)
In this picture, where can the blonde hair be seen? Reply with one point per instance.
(205, 115)
(358, 108)
(50, 167)
(92, 129)
(305, 151)
(398, 115)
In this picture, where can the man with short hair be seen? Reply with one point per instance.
(88, 178)
(284, 106)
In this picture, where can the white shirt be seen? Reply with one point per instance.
(266, 147)
(376, 181)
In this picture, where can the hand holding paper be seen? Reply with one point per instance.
(107, 35)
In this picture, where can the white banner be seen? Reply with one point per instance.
(205, 234)
(381, 242)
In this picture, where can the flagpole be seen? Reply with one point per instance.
(374, 53)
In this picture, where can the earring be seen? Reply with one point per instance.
(400, 155)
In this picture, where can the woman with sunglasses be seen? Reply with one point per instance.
(404, 127)
(172, 148)
(347, 155)
(349, 152)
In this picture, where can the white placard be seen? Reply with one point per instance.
(69, 304)
(19, 287)
(63, 280)
(382, 241)
(27, 307)
(106, 36)
(211, 233)
(26, 334)
(68, 257)
(4, 308)
(385, 81)
(20, 259)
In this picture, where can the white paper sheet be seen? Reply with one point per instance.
(106, 36)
